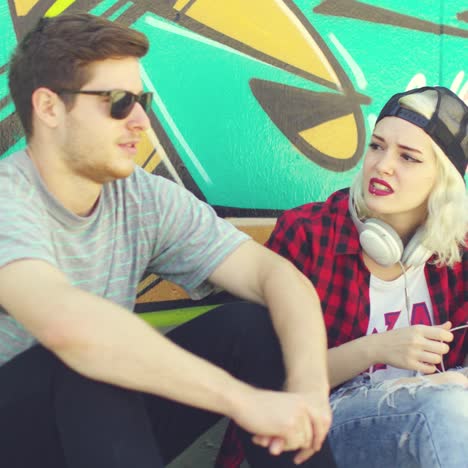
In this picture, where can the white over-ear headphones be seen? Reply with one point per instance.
(381, 242)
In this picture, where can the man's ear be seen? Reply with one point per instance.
(48, 107)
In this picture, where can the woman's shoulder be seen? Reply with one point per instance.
(456, 275)
(335, 204)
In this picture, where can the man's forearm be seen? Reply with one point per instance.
(105, 342)
(297, 317)
(127, 352)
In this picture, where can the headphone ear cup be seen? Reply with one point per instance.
(381, 242)
(415, 253)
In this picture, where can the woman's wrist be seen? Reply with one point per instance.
(372, 348)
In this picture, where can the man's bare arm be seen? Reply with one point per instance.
(98, 338)
(106, 342)
(256, 273)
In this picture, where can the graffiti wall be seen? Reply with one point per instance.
(262, 105)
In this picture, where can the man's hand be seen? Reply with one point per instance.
(276, 415)
(284, 420)
(418, 347)
(319, 419)
(303, 413)
(320, 415)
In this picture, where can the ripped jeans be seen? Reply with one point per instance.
(404, 426)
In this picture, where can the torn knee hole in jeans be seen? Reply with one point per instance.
(390, 388)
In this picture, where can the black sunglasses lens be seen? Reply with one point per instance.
(145, 101)
(147, 98)
(122, 104)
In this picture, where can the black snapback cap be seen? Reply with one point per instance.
(448, 126)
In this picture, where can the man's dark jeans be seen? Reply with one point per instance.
(52, 417)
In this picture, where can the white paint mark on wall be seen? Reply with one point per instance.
(371, 119)
(310, 41)
(417, 81)
(193, 36)
(175, 130)
(355, 68)
(457, 81)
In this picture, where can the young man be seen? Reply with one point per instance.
(84, 382)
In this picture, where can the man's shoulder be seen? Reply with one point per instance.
(14, 162)
(140, 187)
(145, 181)
(148, 193)
(17, 173)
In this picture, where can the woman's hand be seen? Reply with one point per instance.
(418, 347)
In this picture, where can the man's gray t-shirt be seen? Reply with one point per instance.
(143, 223)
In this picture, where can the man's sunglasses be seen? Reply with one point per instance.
(122, 102)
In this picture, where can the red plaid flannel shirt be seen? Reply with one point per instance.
(320, 239)
(322, 242)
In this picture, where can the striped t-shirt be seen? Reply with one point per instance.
(143, 223)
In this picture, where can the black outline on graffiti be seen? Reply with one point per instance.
(352, 98)
(295, 109)
(373, 14)
(11, 131)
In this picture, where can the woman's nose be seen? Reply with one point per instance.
(386, 164)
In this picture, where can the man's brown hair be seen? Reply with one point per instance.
(57, 52)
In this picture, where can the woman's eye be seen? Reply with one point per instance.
(409, 158)
(374, 146)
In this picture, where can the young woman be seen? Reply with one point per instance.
(389, 260)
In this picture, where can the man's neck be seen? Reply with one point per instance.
(77, 194)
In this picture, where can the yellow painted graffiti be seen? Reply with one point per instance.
(23, 7)
(147, 156)
(269, 27)
(323, 137)
(58, 7)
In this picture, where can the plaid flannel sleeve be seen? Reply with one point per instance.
(290, 240)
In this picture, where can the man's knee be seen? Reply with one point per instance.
(239, 337)
(257, 343)
(242, 316)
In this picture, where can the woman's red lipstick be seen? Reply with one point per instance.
(379, 187)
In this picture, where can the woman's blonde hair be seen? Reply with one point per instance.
(446, 227)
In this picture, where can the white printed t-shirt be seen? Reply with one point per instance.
(388, 311)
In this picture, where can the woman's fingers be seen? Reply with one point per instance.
(425, 368)
(430, 358)
(438, 333)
